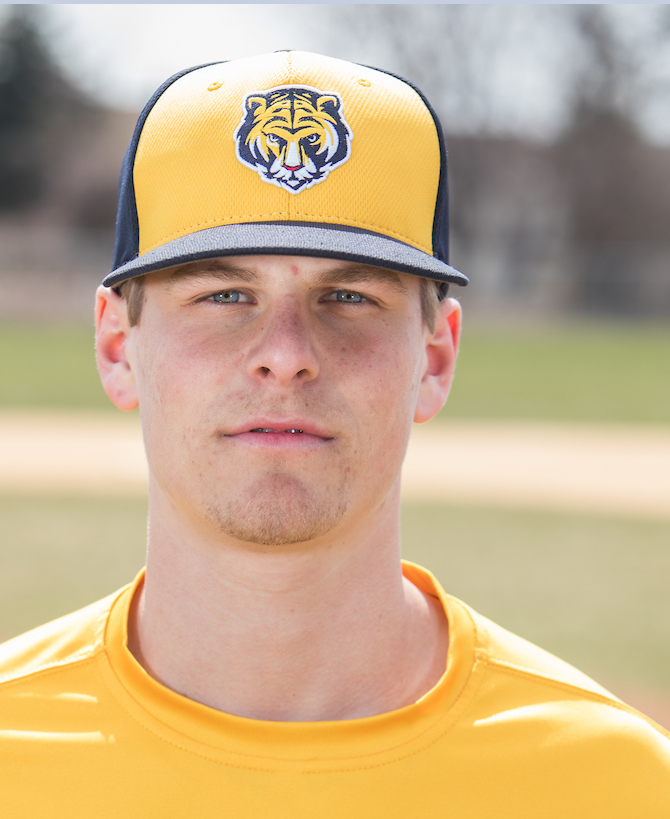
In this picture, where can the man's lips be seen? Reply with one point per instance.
(292, 432)
(290, 426)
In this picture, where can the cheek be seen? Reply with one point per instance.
(383, 373)
(183, 369)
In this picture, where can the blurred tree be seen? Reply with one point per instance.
(34, 99)
(611, 171)
(450, 51)
(616, 184)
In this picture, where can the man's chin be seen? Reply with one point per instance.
(277, 511)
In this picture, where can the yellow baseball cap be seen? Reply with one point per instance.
(289, 153)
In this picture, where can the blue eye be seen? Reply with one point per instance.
(226, 297)
(347, 297)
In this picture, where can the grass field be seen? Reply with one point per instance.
(59, 554)
(587, 373)
(49, 367)
(593, 590)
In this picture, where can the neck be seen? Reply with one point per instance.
(323, 630)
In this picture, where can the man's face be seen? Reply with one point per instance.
(277, 393)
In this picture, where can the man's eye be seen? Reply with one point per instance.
(346, 297)
(229, 297)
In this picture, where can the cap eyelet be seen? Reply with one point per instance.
(215, 86)
(365, 83)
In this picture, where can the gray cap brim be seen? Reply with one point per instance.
(294, 239)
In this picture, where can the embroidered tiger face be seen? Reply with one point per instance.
(293, 136)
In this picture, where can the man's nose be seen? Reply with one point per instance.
(284, 352)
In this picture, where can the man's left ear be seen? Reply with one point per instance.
(441, 352)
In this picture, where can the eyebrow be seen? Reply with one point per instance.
(351, 274)
(360, 275)
(218, 270)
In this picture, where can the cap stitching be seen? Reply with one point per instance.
(222, 220)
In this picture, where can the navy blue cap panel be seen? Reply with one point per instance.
(127, 236)
(441, 220)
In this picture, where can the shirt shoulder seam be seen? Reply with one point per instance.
(519, 671)
(77, 658)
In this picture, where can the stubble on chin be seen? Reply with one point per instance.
(278, 510)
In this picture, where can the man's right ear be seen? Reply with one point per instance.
(111, 334)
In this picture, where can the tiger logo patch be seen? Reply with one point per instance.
(293, 136)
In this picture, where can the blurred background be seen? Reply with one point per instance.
(558, 128)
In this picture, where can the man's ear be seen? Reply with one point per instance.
(111, 334)
(441, 351)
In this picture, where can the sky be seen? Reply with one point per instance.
(123, 52)
(120, 53)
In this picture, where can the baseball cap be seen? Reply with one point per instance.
(285, 153)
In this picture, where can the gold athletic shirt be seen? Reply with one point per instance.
(508, 732)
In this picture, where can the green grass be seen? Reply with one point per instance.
(582, 373)
(59, 554)
(592, 590)
(49, 367)
(590, 373)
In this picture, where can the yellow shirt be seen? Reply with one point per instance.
(509, 731)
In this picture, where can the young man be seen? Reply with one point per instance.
(277, 311)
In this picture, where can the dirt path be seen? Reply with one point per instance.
(608, 469)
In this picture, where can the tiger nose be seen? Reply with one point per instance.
(292, 158)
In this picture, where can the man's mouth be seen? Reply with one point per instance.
(265, 429)
(283, 435)
(291, 433)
